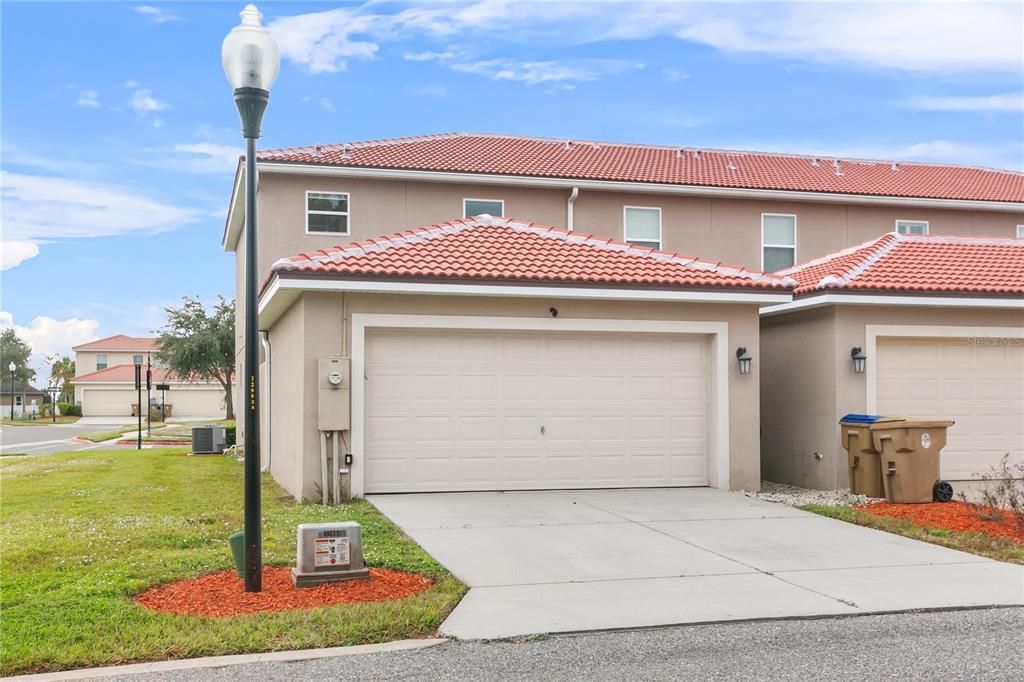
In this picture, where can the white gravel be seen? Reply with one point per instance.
(796, 496)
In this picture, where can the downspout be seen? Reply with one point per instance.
(265, 338)
(569, 206)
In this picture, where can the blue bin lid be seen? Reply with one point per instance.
(861, 419)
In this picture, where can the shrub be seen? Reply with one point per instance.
(229, 436)
(1002, 487)
(70, 410)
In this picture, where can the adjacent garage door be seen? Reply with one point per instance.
(98, 402)
(980, 385)
(484, 410)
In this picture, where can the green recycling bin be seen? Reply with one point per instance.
(237, 541)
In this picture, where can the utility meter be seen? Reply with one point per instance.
(328, 552)
(334, 394)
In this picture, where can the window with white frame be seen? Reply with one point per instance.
(912, 226)
(101, 361)
(327, 212)
(137, 360)
(17, 400)
(1020, 231)
(642, 226)
(778, 241)
(475, 207)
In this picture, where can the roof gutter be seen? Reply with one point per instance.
(811, 301)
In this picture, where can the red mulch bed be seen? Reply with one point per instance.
(223, 593)
(952, 516)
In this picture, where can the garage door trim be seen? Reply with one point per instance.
(718, 433)
(875, 331)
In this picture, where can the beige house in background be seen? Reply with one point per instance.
(939, 322)
(105, 381)
(752, 210)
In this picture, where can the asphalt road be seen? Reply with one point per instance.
(961, 645)
(41, 440)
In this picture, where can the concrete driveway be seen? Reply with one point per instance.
(565, 561)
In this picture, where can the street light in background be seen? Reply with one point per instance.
(12, 367)
(251, 60)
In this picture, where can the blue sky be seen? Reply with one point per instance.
(119, 133)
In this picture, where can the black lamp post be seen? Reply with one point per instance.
(251, 60)
(12, 367)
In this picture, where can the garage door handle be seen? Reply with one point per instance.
(542, 430)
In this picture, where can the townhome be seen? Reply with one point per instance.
(737, 212)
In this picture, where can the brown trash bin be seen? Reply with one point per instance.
(863, 460)
(911, 458)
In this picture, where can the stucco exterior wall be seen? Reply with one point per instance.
(313, 328)
(85, 361)
(815, 345)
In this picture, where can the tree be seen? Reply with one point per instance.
(13, 349)
(199, 346)
(62, 373)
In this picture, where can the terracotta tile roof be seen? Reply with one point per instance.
(494, 154)
(123, 373)
(120, 342)
(918, 263)
(504, 250)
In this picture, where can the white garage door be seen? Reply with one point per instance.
(469, 410)
(98, 402)
(194, 402)
(980, 385)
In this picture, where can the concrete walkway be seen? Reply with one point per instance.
(545, 562)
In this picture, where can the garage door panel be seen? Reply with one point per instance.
(981, 387)
(521, 410)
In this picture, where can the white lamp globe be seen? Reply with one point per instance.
(12, 366)
(250, 55)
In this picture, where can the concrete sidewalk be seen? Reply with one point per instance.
(545, 562)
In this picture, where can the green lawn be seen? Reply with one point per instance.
(39, 421)
(100, 436)
(80, 533)
(1001, 549)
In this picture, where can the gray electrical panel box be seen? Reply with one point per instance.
(329, 552)
(335, 394)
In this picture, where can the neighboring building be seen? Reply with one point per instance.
(27, 398)
(105, 385)
(941, 321)
(759, 211)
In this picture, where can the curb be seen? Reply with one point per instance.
(239, 659)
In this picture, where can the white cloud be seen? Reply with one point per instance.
(39, 208)
(1013, 102)
(88, 99)
(430, 91)
(674, 75)
(935, 37)
(326, 104)
(155, 14)
(143, 102)
(47, 336)
(1008, 156)
(17, 251)
(430, 56)
(536, 72)
(205, 157)
(130, 84)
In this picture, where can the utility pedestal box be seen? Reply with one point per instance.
(328, 552)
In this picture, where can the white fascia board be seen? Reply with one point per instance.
(194, 384)
(283, 290)
(233, 221)
(820, 300)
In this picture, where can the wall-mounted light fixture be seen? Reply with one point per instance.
(744, 360)
(859, 359)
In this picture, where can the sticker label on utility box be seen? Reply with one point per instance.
(330, 552)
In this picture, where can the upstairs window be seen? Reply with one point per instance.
(778, 241)
(327, 212)
(642, 226)
(1020, 231)
(138, 360)
(912, 226)
(475, 207)
(101, 362)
